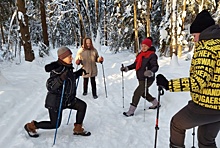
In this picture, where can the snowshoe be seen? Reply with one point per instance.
(31, 134)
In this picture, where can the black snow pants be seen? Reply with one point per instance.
(80, 106)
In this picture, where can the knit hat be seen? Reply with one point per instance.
(63, 52)
(147, 42)
(202, 21)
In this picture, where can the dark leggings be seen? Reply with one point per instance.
(93, 84)
(80, 106)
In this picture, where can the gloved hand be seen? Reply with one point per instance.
(100, 59)
(125, 69)
(162, 81)
(63, 76)
(80, 72)
(148, 73)
(78, 62)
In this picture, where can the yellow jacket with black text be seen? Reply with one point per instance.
(204, 80)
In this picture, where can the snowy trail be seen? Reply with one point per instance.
(18, 111)
(23, 94)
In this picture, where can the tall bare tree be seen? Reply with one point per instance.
(149, 4)
(43, 22)
(82, 28)
(24, 29)
(105, 24)
(135, 28)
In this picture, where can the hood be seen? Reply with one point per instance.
(58, 66)
(212, 32)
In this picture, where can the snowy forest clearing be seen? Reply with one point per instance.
(23, 91)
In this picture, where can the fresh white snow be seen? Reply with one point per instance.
(23, 92)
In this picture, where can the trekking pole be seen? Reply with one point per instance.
(76, 89)
(160, 93)
(60, 108)
(193, 137)
(122, 85)
(71, 109)
(145, 94)
(104, 79)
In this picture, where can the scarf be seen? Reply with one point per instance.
(140, 56)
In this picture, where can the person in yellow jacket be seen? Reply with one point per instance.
(87, 56)
(204, 86)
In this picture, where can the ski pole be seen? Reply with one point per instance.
(71, 109)
(193, 137)
(145, 94)
(76, 89)
(122, 85)
(104, 79)
(60, 108)
(160, 93)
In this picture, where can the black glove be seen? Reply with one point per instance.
(162, 81)
(125, 69)
(80, 72)
(63, 76)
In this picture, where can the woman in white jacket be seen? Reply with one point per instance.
(87, 56)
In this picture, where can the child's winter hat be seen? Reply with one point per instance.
(63, 52)
(147, 42)
(202, 21)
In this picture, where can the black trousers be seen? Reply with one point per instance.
(93, 84)
(140, 92)
(79, 105)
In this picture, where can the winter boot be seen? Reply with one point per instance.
(130, 112)
(78, 130)
(31, 129)
(155, 104)
(174, 146)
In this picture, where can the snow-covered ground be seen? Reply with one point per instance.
(23, 91)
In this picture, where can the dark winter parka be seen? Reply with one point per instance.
(150, 63)
(55, 85)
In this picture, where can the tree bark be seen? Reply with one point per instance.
(3, 38)
(105, 24)
(149, 3)
(24, 29)
(82, 28)
(135, 28)
(44, 24)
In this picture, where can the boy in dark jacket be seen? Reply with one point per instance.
(60, 71)
(146, 66)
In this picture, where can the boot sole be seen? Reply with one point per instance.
(154, 107)
(83, 134)
(124, 113)
(34, 135)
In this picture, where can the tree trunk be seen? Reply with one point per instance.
(149, 4)
(24, 29)
(43, 22)
(105, 25)
(173, 48)
(82, 28)
(135, 28)
(3, 38)
(97, 12)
